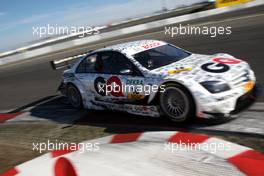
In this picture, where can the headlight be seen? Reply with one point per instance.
(215, 86)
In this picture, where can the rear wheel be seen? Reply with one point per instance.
(177, 104)
(74, 97)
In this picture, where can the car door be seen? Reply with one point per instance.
(118, 79)
(86, 72)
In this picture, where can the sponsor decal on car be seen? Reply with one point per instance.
(99, 86)
(134, 82)
(174, 71)
(226, 60)
(215, 67)
(116, 81)
(135, 96)
(151, 45)
(219, 65)
(103, 87)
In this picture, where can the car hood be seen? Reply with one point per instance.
(218, 67)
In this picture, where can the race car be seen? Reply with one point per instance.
(155, 78)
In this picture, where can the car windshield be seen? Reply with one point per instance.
(160, 56)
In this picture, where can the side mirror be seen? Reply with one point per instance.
(126, 71)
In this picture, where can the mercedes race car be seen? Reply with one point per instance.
(155, 78)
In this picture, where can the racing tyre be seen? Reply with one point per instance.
(177, 104)
(74, 96)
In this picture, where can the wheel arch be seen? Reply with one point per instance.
(78, 88)
(166, 82)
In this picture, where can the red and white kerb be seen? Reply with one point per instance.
(243, 158)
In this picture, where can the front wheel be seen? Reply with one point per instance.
(176, 103)
(74, 97)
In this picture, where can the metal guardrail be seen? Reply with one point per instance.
(114, 26)
(124, 31)
(46, 42)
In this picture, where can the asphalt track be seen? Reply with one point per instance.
(32, 80)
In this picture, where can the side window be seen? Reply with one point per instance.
(107, 58)
(88, 65)
(117, 63)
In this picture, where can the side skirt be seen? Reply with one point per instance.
(142, 110)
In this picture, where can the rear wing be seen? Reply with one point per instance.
(66, 62)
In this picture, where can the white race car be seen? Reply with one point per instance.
(154, 78)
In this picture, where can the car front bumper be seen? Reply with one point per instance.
(230, 107)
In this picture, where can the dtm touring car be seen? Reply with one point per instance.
(180, 85)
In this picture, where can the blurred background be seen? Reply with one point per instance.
(17, 18)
